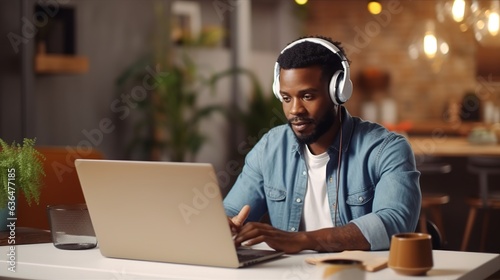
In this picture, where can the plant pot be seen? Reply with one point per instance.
(4, 212)
(4, 216)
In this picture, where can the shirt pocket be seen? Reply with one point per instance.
(360, 198)
(275, 194)
(360, 203)
(277, 207)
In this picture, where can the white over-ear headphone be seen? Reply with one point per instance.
(340, 88)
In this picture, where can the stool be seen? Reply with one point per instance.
(432, 202)
(486, 200)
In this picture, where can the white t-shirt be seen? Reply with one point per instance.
(316, 206)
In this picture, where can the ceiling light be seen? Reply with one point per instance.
(458, 10)
(429, 45)
(493, 23)
(462, 12)
(487, 26)
(374, 7)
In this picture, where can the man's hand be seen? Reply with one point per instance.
(336, 239)
(237, 221)
(253, 233)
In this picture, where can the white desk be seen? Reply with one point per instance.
(44, 261)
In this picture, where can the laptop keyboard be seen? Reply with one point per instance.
(251, 254)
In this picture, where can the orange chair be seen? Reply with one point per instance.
(60, 185)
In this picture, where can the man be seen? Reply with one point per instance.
(327, 180)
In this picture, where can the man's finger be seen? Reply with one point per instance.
(239, 219)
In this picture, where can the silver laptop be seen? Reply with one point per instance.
(161, 211)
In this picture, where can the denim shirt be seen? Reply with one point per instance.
(379, 184)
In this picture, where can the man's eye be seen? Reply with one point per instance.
(285, 98)
(308, 97)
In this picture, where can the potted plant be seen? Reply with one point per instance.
(262, 113)
(166, 123)
(21, 170)
(249, 123)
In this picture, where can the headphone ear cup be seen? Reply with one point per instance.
(276, 88)
(335, 87)
(276, 82)
(346, 91)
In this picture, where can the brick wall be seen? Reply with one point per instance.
(382, 41)
(421, 94)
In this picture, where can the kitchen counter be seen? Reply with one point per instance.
(451, 147)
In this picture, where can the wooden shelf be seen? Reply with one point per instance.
(60, 64)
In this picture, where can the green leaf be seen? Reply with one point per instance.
(27, 165)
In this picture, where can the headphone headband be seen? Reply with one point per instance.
(340, 87)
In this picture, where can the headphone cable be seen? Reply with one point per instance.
(338, 167)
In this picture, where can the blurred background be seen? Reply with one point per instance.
(191, 80)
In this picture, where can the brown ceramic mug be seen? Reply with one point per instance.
(411, 253)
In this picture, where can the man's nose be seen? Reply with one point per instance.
(297, 107)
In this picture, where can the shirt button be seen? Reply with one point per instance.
(298, 200)
(292, 228)
(361, 199)
(304, 173)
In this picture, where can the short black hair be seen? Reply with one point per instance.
(308, 54)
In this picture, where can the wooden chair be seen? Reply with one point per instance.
(60, 186)
(432, 201)
(486, 200)
(433, 230)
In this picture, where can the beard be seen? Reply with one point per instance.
(321, 126)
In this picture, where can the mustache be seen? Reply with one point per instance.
(300, 119)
